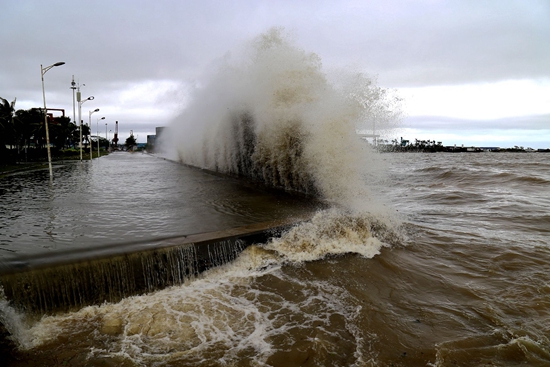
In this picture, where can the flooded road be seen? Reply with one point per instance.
(121, 198)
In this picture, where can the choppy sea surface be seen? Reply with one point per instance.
(458, 277)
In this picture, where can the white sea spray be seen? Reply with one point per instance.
(274, 115)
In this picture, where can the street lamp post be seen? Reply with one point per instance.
(97, 137)
(78, 98)
(90, 126)
(42, 72)
(73, 87)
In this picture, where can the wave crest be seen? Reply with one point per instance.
(333, 232)
(273, 116)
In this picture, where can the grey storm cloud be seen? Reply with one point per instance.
(405, 43)
(536, 122)
(110, 45)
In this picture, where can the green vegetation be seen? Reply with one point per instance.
(131, 142)
(431, 146)
(406, 146)
(23, 136)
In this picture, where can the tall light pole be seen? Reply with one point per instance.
(106, 132)
(78, 99)
(90, 126)
(42, 72)
(73, 87)
(97, 129)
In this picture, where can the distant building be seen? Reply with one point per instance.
(490, 149)
(153, 140)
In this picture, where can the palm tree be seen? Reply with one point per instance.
(130, 142)
(61, 131)
(28, 127)
(6, 131)
(6, 121)
(86, 135)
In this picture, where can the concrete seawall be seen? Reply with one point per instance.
(65, 281)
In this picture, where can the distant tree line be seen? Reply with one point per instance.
(23, 135)
(130, 142)
(431, 146)
(406, 146)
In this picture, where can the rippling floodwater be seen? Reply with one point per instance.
(124, 197)
(467, 286)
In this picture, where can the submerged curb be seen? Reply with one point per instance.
(65, 281)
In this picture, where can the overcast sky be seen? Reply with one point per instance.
(471, 72)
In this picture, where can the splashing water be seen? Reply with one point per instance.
(248, 310)
(275, 117)
(332, 232)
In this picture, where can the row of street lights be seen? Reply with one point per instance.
(90, 125)
(80, 103)
(97, 137)
(44, 70)
(76, 87)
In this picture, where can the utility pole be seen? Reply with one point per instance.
(73, 87)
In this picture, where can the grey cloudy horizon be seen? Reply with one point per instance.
(141, 59)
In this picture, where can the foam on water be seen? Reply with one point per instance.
(243, 309)
(329, 233)
(274, 115)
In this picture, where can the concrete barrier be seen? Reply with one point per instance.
(65, 281)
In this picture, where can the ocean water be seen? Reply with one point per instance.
(412, 260)
(461, 280)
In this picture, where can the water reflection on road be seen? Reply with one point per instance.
(125, 197)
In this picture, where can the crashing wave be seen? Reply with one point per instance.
(275, 117)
